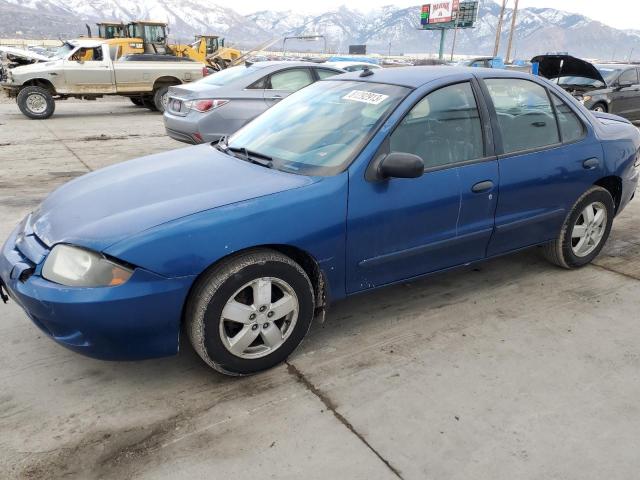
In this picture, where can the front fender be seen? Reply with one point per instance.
(311, 218)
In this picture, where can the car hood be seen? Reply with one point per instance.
(108, 205)
(26, 54)
(553, 66)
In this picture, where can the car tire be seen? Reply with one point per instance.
(250, 312)
(600, 107)
(147, 102)
(36, 102)
(160, 98)
(583, 234)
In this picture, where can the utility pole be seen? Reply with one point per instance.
(455, 36)
(513, 29)
(499, 29)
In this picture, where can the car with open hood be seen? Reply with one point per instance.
(353, 183)
(603, 87)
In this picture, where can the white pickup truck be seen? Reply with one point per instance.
(87, 69)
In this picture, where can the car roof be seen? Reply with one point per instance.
(414, 77)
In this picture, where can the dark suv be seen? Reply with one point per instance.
(613, 87)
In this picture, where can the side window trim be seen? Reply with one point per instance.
(385, 148)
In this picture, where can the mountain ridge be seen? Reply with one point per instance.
(386, 29)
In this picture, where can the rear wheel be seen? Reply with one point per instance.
(36, 102)
(250, 312)
(147, 102)
(585, 230)
(600, 107)
(161, 98)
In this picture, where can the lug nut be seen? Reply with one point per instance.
(265, 325)
(270, 314)
(254, 327)
(252, 316)
(263, 308)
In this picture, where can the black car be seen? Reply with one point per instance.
(612, 88)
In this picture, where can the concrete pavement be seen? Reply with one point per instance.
(512, 369)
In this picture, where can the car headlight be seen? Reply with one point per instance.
(78, 267)
(586, 98)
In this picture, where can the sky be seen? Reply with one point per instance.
(616, 13)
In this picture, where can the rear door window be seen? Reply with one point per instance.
(291, 80)
(525, 116)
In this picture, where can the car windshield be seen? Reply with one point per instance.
(228, 75)
(63, 51)
(319, 129)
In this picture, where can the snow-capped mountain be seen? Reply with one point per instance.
(538, 30)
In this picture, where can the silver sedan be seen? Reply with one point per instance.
(220, 104)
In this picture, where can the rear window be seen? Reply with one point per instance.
(228, 75)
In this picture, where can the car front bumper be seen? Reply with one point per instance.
(134, 321)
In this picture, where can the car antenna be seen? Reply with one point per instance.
(366, 72)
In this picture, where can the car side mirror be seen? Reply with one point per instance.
(401, 165)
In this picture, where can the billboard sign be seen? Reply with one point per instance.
(440, 11)
(439, 14)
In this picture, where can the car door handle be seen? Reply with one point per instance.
(277, 97)
(539, 124)
(591, 163)
(481, 187)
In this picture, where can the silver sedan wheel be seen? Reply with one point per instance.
(598, 108)
(589, 229)
(36, 103)
(259, 317)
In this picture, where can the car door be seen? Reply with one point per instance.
(545, 164)
(625, 97)
(91, 74)
(283, 83)
(402, 228)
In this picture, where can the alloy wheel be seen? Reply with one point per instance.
(589, 229)
(259, 317)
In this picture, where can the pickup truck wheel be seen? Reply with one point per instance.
(147, 102)
(36, 102)
(160, 98)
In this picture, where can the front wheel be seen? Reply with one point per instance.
(585, 230)
(36, 102)
(600, 107)
(250, 312)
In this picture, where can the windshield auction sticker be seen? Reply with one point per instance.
(365, 97)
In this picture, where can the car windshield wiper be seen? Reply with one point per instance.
(251, 156)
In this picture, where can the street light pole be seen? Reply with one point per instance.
(513, 28)
(499, 28)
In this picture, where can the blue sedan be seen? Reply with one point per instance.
(353, 183)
